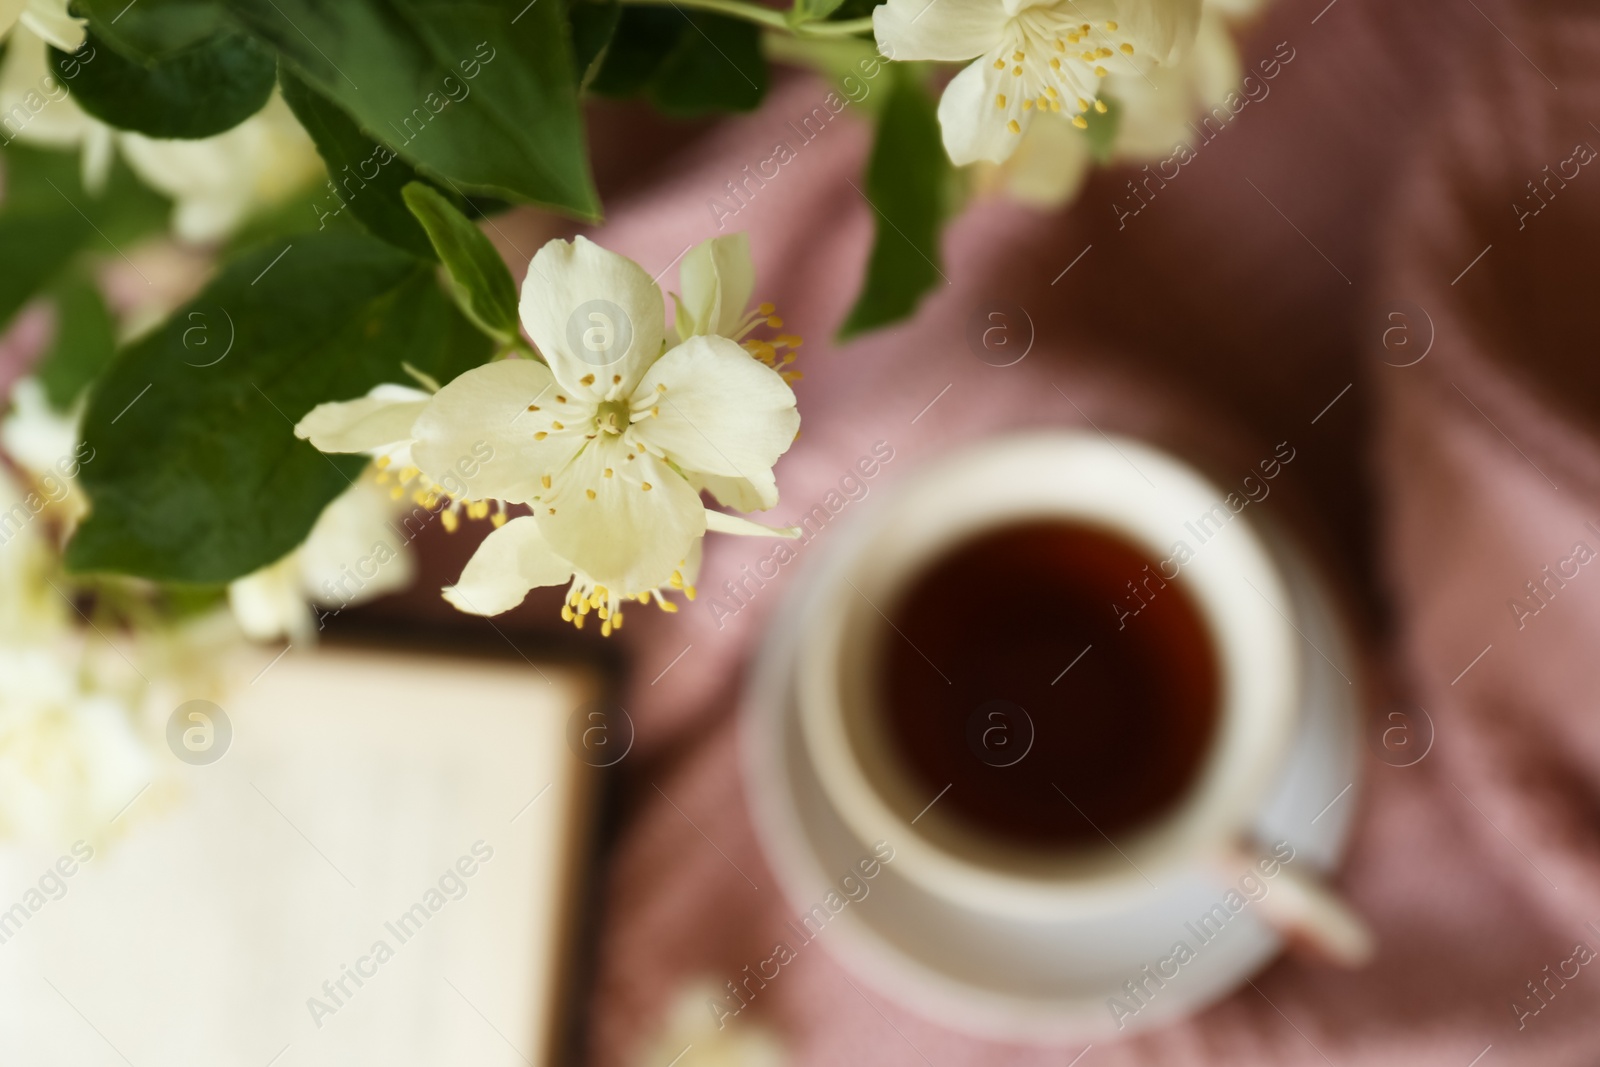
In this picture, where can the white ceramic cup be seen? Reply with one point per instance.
(1154, 502)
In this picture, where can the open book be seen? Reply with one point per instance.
(381, 869)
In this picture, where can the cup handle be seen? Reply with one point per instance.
(1309, 914)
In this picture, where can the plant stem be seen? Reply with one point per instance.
(771, 17)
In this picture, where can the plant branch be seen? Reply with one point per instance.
(769, 17)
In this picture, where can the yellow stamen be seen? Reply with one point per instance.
(587, 379)
(1127, 49)
(1000, 100)
(589, 493)
(645, 486)
(1014, 126)
(544, 480)
(1080, 122)
(540, 436)
(1100, 106)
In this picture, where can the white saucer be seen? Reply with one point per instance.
(1029, 980)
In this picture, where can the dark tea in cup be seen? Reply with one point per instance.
(1051, 682)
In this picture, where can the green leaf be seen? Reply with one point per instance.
(1102, 130)
(685, 63)
(593, 24)
(153, 29)
(196, 473)
(717, 66)
(368, 174)
(812, 10)
(906, 179)
(480, 282)
(84, 343)
(201, 91)
(481, 95)
(47, 218)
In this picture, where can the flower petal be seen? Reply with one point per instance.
(1050, 165)
(594, 314)
(269, 603)
(974, 125)
(1165, 28)
(622, 535)
(756, 493)
(376, 422)
(722, 522)
(718, 279)
(509, 562)
(946, 30)
(476, 433)
(50, 20)
(717, 410)
(352, 553)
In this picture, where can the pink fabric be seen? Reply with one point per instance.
(1222, 319)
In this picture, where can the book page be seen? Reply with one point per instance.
(375, 871)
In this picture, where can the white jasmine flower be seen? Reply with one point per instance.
(48, 19)
(218, 182)
(1051, 162)
(609, 443)
(718, 278)
(35, 107)
(379, 424)
(1029, 57)
(516, 558)
(69, 757)
(1157, 110)
(693, 1035)
(602, 441)
(1156, 107)
(46, 444)
(353, 554)
(29, 609)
